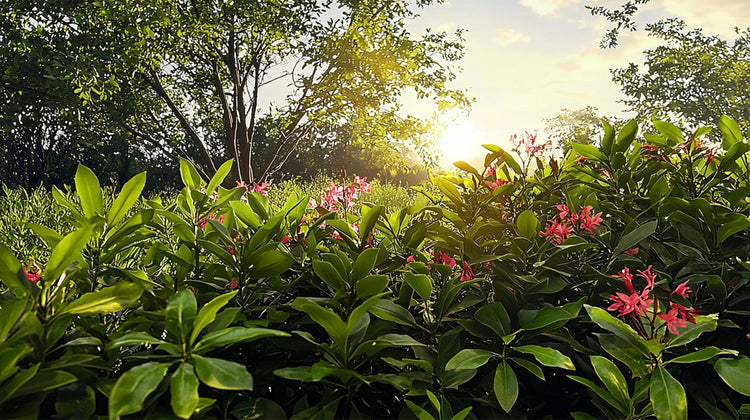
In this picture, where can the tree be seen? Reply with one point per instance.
(573, 126)
(694, 77)
(192, 77)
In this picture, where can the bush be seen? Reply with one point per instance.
(612, 283)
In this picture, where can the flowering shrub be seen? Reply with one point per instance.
(224, 303)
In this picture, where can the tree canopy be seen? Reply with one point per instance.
(193, 79)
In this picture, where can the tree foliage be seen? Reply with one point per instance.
(194, 78)
(692, 76)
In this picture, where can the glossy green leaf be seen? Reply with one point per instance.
(65, 253)
(667, 396)
(464, 166)
(189, 175)
(129, 194)
(222, 374)
(635, 236)
(505, 386)
(219, 176)
(626, 136)
(469, 359)
(364, 263)
(730, 132)
(271, 263)
(325, 317)
(391, 311)
(495, 317)
(183, 387)
(89, 192)
(45, 381)
(233, 335)
(371, 285)
(736, 373)
(105, 301)
(12, 274)
(207, 313)
(527, 225)
(131, 390)
(420, 283)
(601, 393)
(703, 323)
(369, 220)
(701, 355)
(589, 152)
(619, 328)
(75, 401)
(329, 274)
(613, 379)
(669, 131)
(180, 314)
(133, 339)
(547, 316)
(547, 356)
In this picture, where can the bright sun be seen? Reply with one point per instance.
(456, 141)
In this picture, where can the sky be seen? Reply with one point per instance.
(528, 59)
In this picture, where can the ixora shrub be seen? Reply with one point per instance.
(612, 283)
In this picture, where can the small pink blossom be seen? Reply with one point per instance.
(673, 320)
(466, 272)
(682, 289)
(443, 258)
(631, 252)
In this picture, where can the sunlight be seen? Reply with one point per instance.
(457, 142)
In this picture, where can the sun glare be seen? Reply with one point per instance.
(456, 142)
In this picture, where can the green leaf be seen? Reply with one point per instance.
(547, 316)
(469, 359)
(364, 264)
(325, 317)
(183, 387)
(730, 132)
(420, 283)
(67, 250)
(669, 131)
(89, 192)
(219, 176)
(232, 335)
(547, 356)
(466, 168)
(528, 365)
(495, 317)
(601, 393)
(75, 401)
(736, 373)
(701, 355)
(619, 328)
(371, 285)
(11, 273)
(369, 219)
(9, 388)
(180, 314)
(635, 359)
(134, 339)
(703, 323)
(105, 301)
(589, 152)
(505, 386)
(418, 411)
(222, 374)
(189, 175)
(271, 263)
(527, 225)
(391, 311)
(207, 314)
(634, 237)
(736, 223)
(608, 140)
(613, 379)
(667, 396)
(45, 381)
(626, 136)
(329, 274)
(129, 194)
(131, 390)
(449, 190)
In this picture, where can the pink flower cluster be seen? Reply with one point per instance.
(259, 188)
(342, 194)
(528, 142)
(638, 303)
(567, 222)
(31, 275)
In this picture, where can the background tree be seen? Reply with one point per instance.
(692, 77)
(574, 126)
(194, 78)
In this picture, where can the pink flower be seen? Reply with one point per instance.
(564, 211)
(491, 170)
(285, 239)
(466, 272)
(627, 278)
(650, 277)
(650, 147)
(687, 314)
(410, 259)
(673, 320)
(682, 289)
(261, 189)
(233, 285)
(32, 275)
(557, 233)
(580, 160)
(443, 258)
(631, 252)
(231, 250)
(634, 302)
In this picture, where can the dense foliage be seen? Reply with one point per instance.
(613, 283)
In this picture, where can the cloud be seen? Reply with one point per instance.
(547, 7)
(714, 20)
(507, 36)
